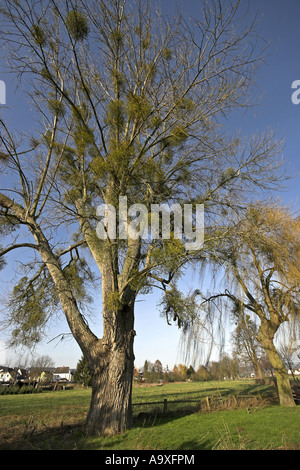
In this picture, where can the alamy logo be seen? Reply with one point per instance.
(296, 94)
(135, 222)
(2, 92)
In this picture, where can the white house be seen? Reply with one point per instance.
(62, 373)
(6, 374)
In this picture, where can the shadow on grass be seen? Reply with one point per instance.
(71, 436)
(53, 438)
(224, 389)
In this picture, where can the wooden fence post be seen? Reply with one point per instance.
(208, 403)
(165, 406)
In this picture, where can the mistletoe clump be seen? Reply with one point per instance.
(77, 25)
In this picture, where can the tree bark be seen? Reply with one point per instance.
(112, 369)
(265, 336)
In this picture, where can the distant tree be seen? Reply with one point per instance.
(146, 370)
(266, 365)
(288, 345)
(157, 370)
(214, 370)
(203, 374)
(179, 372)
(152, 372)
(245, 343)
(175, 373)
(226, 367)
(168, 375)
(41, 365)
(43, 362)
(83, 373)
(190, 372)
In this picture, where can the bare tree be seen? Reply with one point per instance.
(288, 345)
(43, 362)
(244, 338)
(41, 365)
(129, 104)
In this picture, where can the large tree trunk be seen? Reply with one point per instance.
(112, 368)
(266, 336)
(282, 378)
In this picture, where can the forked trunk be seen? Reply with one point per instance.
(110, 407)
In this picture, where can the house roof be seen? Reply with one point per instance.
(61, 370)
(23, 373)
(5, 369)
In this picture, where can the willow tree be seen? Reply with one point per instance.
(128, 105)
(261, 260)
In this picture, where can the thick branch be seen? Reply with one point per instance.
(19, 245)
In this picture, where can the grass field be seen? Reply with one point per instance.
(241, 415)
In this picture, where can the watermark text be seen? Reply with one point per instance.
(164, 221)
(296, 94)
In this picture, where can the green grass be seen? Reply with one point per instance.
(270, 428)
(53, 420)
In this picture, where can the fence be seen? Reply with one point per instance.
(165, 403)
(210, 403)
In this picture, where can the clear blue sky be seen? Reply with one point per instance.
(279, 25)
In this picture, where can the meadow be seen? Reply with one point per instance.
(223, 415)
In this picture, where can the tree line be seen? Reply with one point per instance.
(226, 368)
